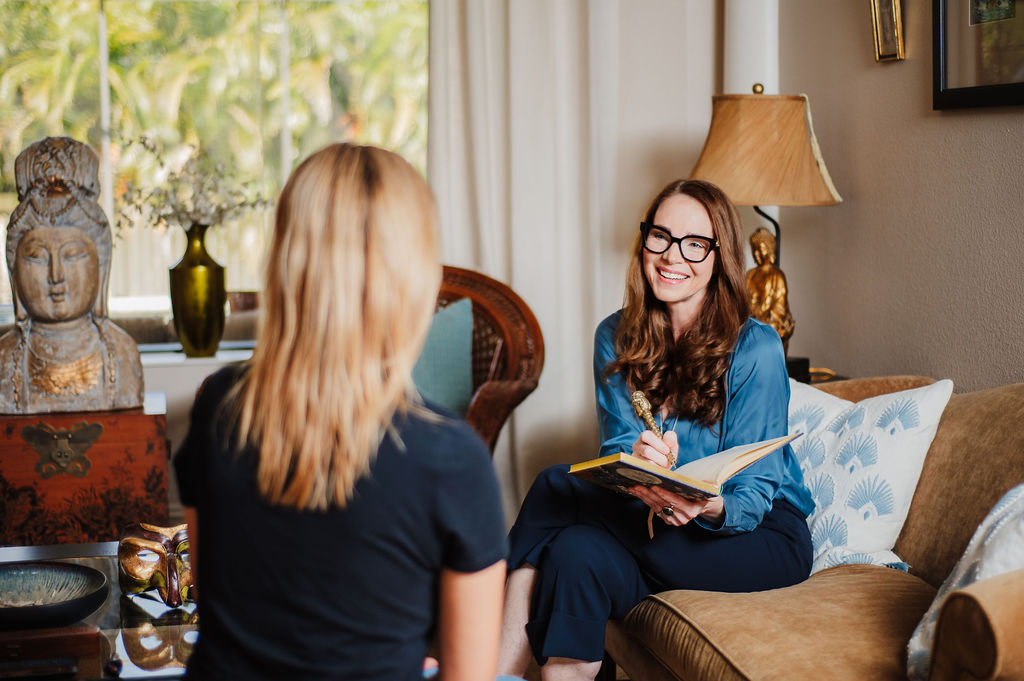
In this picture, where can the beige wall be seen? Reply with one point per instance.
(919, 270)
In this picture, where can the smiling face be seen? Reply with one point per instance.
(678, 283)
(57, 273)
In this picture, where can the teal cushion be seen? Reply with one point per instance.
(444, 372)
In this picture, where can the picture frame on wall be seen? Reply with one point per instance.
(887, 23)
(977, 53)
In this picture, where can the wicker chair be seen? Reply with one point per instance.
(508, 348)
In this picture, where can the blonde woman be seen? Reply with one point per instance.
(337, 523)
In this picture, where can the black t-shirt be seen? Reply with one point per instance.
(343, 594)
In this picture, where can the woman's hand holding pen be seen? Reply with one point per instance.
(659, 450)
(671, 508)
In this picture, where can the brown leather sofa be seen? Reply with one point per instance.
(853, 622)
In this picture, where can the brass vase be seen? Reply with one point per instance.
(198, 296)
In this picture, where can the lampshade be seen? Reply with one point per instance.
(761, 151)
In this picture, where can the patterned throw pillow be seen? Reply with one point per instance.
(997, 547)
(861, 462)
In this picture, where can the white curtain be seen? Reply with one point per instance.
(552, 123)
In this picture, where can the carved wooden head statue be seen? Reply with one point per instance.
(58, 187)
(64, 354)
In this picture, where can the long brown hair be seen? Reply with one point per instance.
(351, 284)
(685, 375)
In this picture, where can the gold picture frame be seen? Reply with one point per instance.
(887, 22)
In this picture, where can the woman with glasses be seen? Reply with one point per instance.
(581, 554)
(337, 523)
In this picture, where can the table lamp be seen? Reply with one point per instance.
(761, 150)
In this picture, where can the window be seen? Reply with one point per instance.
(256, 84)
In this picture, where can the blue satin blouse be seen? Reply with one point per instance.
(756, 408)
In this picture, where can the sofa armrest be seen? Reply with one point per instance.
(857, 389)
(980, 630)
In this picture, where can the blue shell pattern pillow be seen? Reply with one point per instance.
(861, 462)
(996, 548)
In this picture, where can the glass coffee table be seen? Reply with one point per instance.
(129, 637)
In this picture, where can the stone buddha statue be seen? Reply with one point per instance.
(766, 287)
(63, 354)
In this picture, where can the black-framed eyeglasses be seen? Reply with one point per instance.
(692, 247)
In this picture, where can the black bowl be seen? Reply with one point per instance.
(45, 594)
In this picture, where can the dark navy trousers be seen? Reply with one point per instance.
(595, 561)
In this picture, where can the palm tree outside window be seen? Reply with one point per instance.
(257, 84)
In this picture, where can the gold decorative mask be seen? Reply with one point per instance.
(151, 647)
(151, 557)
(136, 612)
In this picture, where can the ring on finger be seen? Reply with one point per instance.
(668, 510)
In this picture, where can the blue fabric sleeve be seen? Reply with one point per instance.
(617, 423)
(757, 409)
(757, 405)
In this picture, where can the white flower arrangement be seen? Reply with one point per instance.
(193, 190)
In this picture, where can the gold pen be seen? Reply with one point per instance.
(642, 407)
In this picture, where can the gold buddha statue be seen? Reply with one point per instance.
(766, 287)
(63, 354)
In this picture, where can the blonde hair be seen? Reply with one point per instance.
(351, 284)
